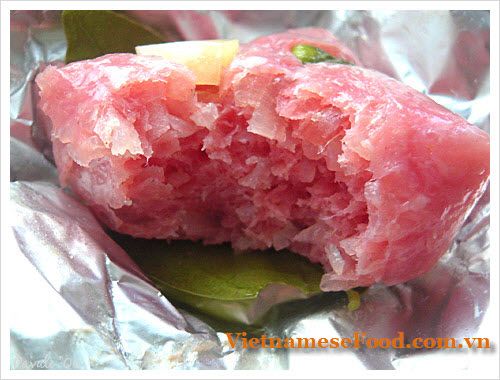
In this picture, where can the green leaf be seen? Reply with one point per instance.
(219, 283)
(91, 34)
(312, 54)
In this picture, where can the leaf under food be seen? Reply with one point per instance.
(91, 34)
(216, 281)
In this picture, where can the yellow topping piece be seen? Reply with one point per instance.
(207, 59)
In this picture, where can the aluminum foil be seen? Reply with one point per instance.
(82, 303)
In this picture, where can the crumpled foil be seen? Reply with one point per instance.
(82, 303)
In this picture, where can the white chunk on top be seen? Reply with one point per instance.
(207, 59)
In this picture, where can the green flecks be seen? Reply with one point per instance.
(354, 300)
(312, 54)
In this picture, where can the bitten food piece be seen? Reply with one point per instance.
(341, 164)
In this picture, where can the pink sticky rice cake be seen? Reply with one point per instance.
(338, 163)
